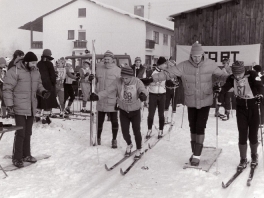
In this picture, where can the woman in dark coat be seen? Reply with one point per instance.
(48, 78)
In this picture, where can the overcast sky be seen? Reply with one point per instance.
(15, 13)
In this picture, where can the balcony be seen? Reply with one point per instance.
(37, 45)
(150, 44)
(79, 44)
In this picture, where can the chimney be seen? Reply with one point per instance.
(139, 10)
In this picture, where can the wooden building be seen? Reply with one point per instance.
(228, 22)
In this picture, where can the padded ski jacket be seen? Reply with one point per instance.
(127, 95)
(196, 80)
(105, 75)
(20, 88)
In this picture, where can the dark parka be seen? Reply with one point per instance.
(20, 89)
(48, 78)
(139, 72)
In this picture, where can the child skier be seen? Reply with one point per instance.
(247, 88)
(130, 91)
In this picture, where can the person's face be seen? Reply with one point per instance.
(32, 64)
(138, 63)
(197, 58)
(108, 60)
(239, 76)
(226, 63)
(126, 79)
(86, 65)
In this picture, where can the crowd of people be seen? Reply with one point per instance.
(122, 92)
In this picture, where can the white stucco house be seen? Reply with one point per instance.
(70, 29)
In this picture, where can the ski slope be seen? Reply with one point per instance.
(77, 170)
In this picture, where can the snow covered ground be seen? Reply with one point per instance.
(77, 170)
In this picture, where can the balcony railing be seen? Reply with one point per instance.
(150, 44)
(37, 45)
(80, 44)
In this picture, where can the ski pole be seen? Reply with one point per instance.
(216, 101)
(261, 133)
(231, 107)
(182, 115)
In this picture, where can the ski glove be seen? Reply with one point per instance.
(217, 89)
(94, 97)
(46, 94)
(10, 111)
(258, 98)
(147, 81)
(142, 97)
(87, 74)
(91, 77)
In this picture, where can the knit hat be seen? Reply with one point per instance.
(225, 60)
(47, 54)
(69, 61)
(127, 71)
(197, 49)
(30, 57)
(238, 67)
(257, 68)
(137, 59)
(87, 62)
(161, 60)
(109, 54)
(2, 61)
(18, 53)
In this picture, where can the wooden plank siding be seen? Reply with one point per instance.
(232, 24)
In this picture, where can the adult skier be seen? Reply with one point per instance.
(130, 93)
(196, 75)
(138, 69)
(247, 88)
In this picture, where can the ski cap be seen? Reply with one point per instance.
(127, 71)
(30, 57)
(197, 49)
(238, 67)
(137, 59)
(109, 54)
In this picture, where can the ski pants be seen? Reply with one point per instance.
(262, 112)
(227, 100)
(135, 118)
(85, 90)
(247, 123)
(198, 119)
(114, 121)
(156, 100)
(60, 95)
(21, 147)
(68, 92)
(171, 95)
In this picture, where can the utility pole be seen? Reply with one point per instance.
(148, 10)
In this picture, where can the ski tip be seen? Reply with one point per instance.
(107, 168)
(149, 146)
(223, 185)
(121, 171)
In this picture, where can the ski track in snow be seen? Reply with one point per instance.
(75, 169)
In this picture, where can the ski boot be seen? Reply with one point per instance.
(29, 159)
(114, 144)
(196, 155)
(148, 134)
(48, 121)
(254, 160)
(98, 141)
(37, 119)
(243, 164)
(18, 163)
(138, 154)
(160, 135)
(193, 148)
(128, 150)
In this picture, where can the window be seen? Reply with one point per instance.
(82, 36)
(165, 39)
(70, 34)
(82, 12)
(156, 37)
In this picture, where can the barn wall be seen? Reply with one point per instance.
(231, 25)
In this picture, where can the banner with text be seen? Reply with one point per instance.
(247, 53)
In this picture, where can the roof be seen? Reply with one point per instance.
(37, 24)
(194, 9)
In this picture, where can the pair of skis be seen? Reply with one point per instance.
(238, 172)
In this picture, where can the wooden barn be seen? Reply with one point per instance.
(225, 23)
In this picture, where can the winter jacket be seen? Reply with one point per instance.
(255, 85)
(20, 88)
(70, 77)
(196, 80)
(157, 87)
(83, 71)
(139, 73)
(127, 95)
(105, 75)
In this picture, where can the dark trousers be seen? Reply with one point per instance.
(21, 147)
(247, 123)
(156, 100)
(114, 121)
(134, 117)
(262, 112)
(68, 92)
(198, 119)
(227, 100)
(171, 95)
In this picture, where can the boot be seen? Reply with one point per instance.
(254, 154)
(98, 141)
(160, 134)
(193, 149)
(148, 134)
(196, 155)
(138, 154)
(30, 159)
(48, 120)
(128, 150)
(18, 163)
(37, 119)
(114, 144)
(243, 156)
